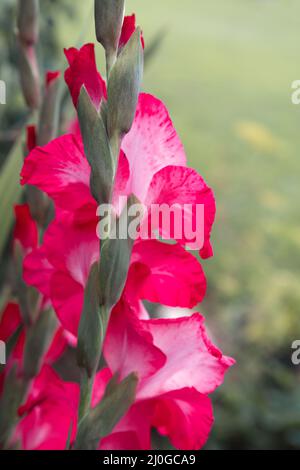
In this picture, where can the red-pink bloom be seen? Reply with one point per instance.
(83, 71)
(49, 413)
(152, 166)
(176, 364)
(154, 169)
(176, 373)
(174, 380)
(158, 272)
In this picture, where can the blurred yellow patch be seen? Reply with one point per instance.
(273, 200)
(258, 136)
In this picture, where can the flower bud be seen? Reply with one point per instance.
(123, 89)
(27, 21)
(29, 75)
(38, 339)
(97, 148)
(48, 121)
(92, 325)
(108, 22)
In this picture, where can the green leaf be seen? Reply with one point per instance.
(92, 327)
(10, 189)
(38, 339)
(97, 148)
(102, 419)
(123, 90)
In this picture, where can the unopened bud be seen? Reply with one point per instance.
(38, 339)
(27, 22)
(92, 327)
(97, 148)
(29, 75)
(123, 89)
(48, 121)
(109, 16)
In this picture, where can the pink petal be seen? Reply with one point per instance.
(61, 170)
(57, 347)
(50, 410)
(128, 347)
(127, 440)
(192, 360)
(101, 380)
(121, 182)
(71, 247)
(67, 300)
(184, 188)
(83, 71)
(60, 267)
(25, 230)
(151, 144)
(37, 271)
(185, 416)
(10, 319)
(174, 276)
(133, 432)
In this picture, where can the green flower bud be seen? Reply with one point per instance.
(109, 16)
(123, 90)
(27, 21)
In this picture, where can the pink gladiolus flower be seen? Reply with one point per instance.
(177, 373)
(158, 272)
(177, 366)
(49, 413)
(152, 166)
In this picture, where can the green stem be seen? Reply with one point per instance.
(115, 145)
(111, 57)
(86, 388)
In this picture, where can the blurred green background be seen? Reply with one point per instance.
(224, 69)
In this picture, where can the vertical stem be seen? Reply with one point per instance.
(111, 57)
(86, 388)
